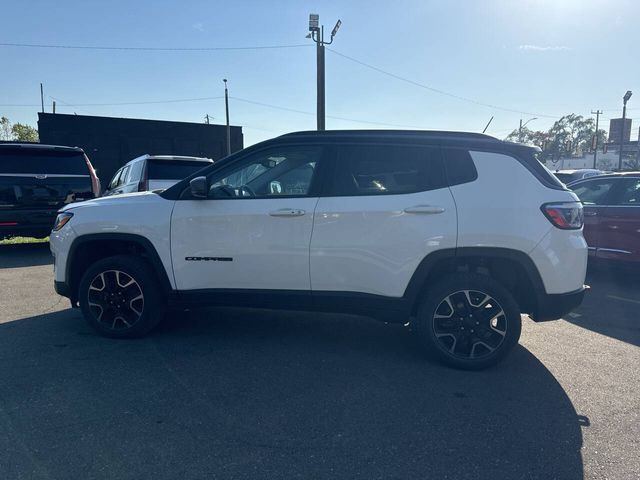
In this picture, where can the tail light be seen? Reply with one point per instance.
(95, 181)
(564, 215)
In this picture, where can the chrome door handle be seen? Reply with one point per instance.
(424, 209)
(287, 212)
(590, 214)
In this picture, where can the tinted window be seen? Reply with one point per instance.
(135, 174)
(386, 170)
(23, 160)
(630, 194)
(594, 192)
(172, 169)
(459, 166)
(287, 171)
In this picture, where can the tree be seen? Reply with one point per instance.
(5, 129)
(17, 131)
(570, 134)
(24, 133)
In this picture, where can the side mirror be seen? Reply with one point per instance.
(199, 187)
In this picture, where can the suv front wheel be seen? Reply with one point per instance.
(469, 321)
(120, 297)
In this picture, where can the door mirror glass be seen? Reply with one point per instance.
(199, 187)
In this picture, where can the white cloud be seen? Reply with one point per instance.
(544, 48)
(199, 26)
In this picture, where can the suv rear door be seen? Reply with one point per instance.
(595, 195)
(387, 206)
(35, 182)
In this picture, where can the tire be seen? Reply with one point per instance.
(120, 297)
(469, 321)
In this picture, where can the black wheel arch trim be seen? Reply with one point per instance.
(143, 242)
(427, 265)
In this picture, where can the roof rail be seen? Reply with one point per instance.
(377, 133)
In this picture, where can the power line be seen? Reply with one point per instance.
(437, 90)
(150, 102)
(151, 49)
(334, 117)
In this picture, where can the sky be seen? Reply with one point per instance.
(450, 65)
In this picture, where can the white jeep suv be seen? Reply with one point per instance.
(456, 233)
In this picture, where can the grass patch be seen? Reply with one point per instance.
(19, 240)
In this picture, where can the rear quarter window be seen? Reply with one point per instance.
(172, 170)
(459, 166)
(35, 161)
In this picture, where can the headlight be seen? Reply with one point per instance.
(61, 220)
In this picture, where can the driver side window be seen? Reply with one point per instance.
(272, 173)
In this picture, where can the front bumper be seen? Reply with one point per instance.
(555, 306)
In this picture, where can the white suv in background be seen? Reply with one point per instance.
(153, 172)
(458, 233)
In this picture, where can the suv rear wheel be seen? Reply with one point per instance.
(469, 321)
(120, 297)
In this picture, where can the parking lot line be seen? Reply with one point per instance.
(615, 297)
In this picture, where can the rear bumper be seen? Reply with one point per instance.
(555, 306)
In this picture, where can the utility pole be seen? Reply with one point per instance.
(226, 107)
(625, 99)
(42, 97)
(317, 35)
(597, 113)
(54, 106)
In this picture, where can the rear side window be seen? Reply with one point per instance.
(135, 174)
(172, 169)
(459, 166)
(36, 161)
(386, 170)
(630, 194)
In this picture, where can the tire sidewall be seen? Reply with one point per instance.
(455, 283)
(140, 271)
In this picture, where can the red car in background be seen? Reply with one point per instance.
(611, 215)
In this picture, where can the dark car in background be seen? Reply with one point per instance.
(154, 172)
(36, 181)
(568, 176)
(611, 215)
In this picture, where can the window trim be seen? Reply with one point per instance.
(328, 190)
(315, 188)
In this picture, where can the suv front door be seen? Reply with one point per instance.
(254, 229)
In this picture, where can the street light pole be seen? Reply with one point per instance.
(317, 35)
(597, 113)
(625, 99)
(226, 107)
(522, 126)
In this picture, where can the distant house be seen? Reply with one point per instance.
(111, 142)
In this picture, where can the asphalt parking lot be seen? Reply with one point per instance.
(232, 393)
